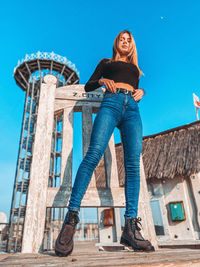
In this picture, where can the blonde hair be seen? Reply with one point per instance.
(132, 55)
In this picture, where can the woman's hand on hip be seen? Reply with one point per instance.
(109, 84)
(138, 94)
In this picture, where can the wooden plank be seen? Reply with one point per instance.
(61, 104)
(104, 197)
(77, 93)
(148, 229)
(117, 223)
(66, 162)
(36, 202)
(86, 133)
(67, 147)
(88, 255)
(100, 197)
(111, 164)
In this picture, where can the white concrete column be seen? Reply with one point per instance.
(117, 223)
(39, 175)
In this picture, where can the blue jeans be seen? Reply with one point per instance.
(117, 110)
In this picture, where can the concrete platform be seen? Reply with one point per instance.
(87, 254)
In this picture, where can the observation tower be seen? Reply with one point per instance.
(38, 75)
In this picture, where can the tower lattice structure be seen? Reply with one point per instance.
(29, 75)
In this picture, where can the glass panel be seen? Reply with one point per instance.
(157, 217)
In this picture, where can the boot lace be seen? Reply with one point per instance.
(135, 226)
(137, 222)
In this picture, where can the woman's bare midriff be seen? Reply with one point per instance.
(125, 86)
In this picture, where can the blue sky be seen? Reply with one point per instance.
(168, 44)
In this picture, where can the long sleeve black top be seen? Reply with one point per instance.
(118, 71)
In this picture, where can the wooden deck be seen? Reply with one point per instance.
(87, 254)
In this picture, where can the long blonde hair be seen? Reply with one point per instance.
(132, 55)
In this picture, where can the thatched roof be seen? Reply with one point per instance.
(165, 155)
(100, 175)
(173, 152)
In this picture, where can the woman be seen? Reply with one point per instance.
(119, 108)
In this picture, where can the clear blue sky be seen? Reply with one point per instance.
(168, 44)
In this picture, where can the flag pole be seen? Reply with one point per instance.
(196, 104)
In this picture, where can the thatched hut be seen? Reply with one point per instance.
(172, 164)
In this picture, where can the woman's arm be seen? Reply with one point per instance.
(93, 82)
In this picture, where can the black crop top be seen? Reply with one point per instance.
(118, 71)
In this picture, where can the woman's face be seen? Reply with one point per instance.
(124, 43)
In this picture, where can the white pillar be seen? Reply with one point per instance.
(39, 175)
(144, 209)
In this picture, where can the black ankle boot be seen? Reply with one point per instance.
(132, 237)
(64, 242)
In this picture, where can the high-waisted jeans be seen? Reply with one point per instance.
(117, 110)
